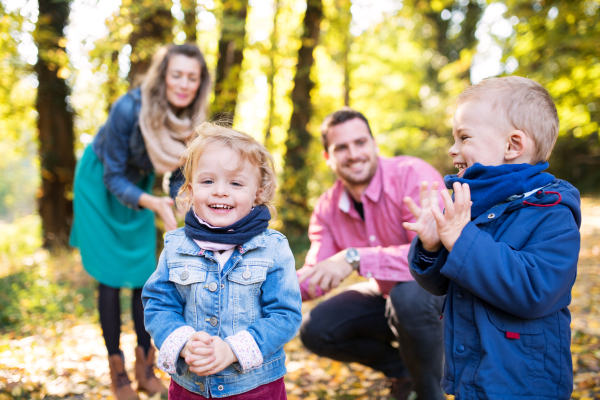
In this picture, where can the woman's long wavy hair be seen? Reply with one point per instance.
(154, 82)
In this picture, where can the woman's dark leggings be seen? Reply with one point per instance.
(109, 307)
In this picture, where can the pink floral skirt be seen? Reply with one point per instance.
(270, 391)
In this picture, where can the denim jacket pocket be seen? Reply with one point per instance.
(245, 281)
(184, 277)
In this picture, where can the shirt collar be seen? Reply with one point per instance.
(373, 190)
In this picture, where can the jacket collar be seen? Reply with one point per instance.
(513, 202)
(372, 192)
(188, 246)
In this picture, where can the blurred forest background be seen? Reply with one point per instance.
(279, 66)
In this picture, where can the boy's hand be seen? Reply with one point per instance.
(198, 350)
(425, 226)
(457, 216)
(222, 358)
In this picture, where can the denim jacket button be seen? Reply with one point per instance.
(247, 275)
(491, 216)
(214, 321)
(460, 348)
(459, 295)
(220, 387)
(222, 286)
(213, 286)
(184, 275)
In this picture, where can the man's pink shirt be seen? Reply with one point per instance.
(381, 240)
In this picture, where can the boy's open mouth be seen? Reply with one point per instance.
(220, 207)
(461, 168)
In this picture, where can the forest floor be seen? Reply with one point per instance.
(51, 344)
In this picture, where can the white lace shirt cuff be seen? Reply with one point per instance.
(170, 349)
(245, 348)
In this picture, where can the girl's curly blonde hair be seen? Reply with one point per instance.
(248, 148)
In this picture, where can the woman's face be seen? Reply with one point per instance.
(183, 80)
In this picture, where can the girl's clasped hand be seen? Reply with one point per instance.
(207, 355)
(437, 229)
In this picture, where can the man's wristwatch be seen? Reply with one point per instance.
(352, 257)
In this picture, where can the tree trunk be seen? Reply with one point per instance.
(231, 55)
(271, 75)
(189, 23)
(152, 29)
(55, 124)
(296, 174)
(345, 17)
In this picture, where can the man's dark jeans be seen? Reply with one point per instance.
(359, 325)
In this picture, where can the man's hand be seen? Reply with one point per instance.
(327, 274)
(457, 216)
(425, 226)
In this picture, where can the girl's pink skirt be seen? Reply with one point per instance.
(271, 391)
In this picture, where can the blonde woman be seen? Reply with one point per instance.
(146, 133)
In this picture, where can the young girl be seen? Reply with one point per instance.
(225, 297)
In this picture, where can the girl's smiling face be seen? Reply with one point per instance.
(480, 136)
(224, 187)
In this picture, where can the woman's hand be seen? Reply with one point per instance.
(425, 226)
(162, 206)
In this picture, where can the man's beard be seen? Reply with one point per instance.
(348, 178)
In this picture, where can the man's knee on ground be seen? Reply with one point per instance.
(311, 334)
(411, 303)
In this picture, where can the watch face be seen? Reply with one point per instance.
(352, 253)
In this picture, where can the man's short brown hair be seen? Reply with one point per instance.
(339, 117)
(523, 104)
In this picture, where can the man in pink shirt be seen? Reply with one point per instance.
(357, 226)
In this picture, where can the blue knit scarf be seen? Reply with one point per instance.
(255, 223)
(491, 185)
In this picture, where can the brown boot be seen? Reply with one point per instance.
(400, 388)
(120, 383)
(144, 372)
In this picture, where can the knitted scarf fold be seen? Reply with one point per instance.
(166, 143)
(255, 223)
(491, 185)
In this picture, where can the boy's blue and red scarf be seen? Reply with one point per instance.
(255, 223)
(491, 185)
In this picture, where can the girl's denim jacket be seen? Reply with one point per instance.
(253, 303)
(120, 146)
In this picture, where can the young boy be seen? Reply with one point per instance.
(505, 251)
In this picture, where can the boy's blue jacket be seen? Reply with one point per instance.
(257, 290)
(508, 283)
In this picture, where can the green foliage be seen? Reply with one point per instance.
(19, 238)
(18, 164)
(556, 44)
(37, 289)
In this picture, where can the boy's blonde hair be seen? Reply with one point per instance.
(248, 148)
(523, 104)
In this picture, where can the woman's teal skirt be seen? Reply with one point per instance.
(117, 244)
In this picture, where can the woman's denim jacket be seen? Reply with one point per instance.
(120, 146)
(256, 291)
